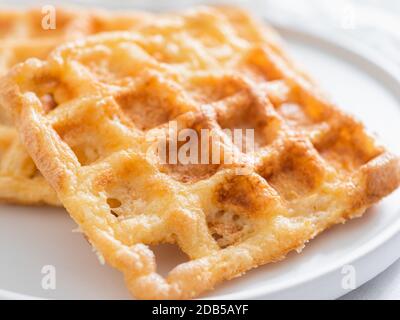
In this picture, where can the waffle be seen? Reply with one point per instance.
(22, 37)
(312, 166)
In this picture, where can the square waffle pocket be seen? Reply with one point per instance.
(21, 37)
(312, 166)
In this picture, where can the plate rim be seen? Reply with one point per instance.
(366, 56)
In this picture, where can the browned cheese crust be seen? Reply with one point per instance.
(21, 37)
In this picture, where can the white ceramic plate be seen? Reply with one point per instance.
(360, 82)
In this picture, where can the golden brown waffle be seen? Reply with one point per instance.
(313, 166)
(22, 37)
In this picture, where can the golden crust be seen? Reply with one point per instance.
(215, 68)
(22, 37)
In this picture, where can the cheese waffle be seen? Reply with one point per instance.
(312, 165)
(22, 36)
